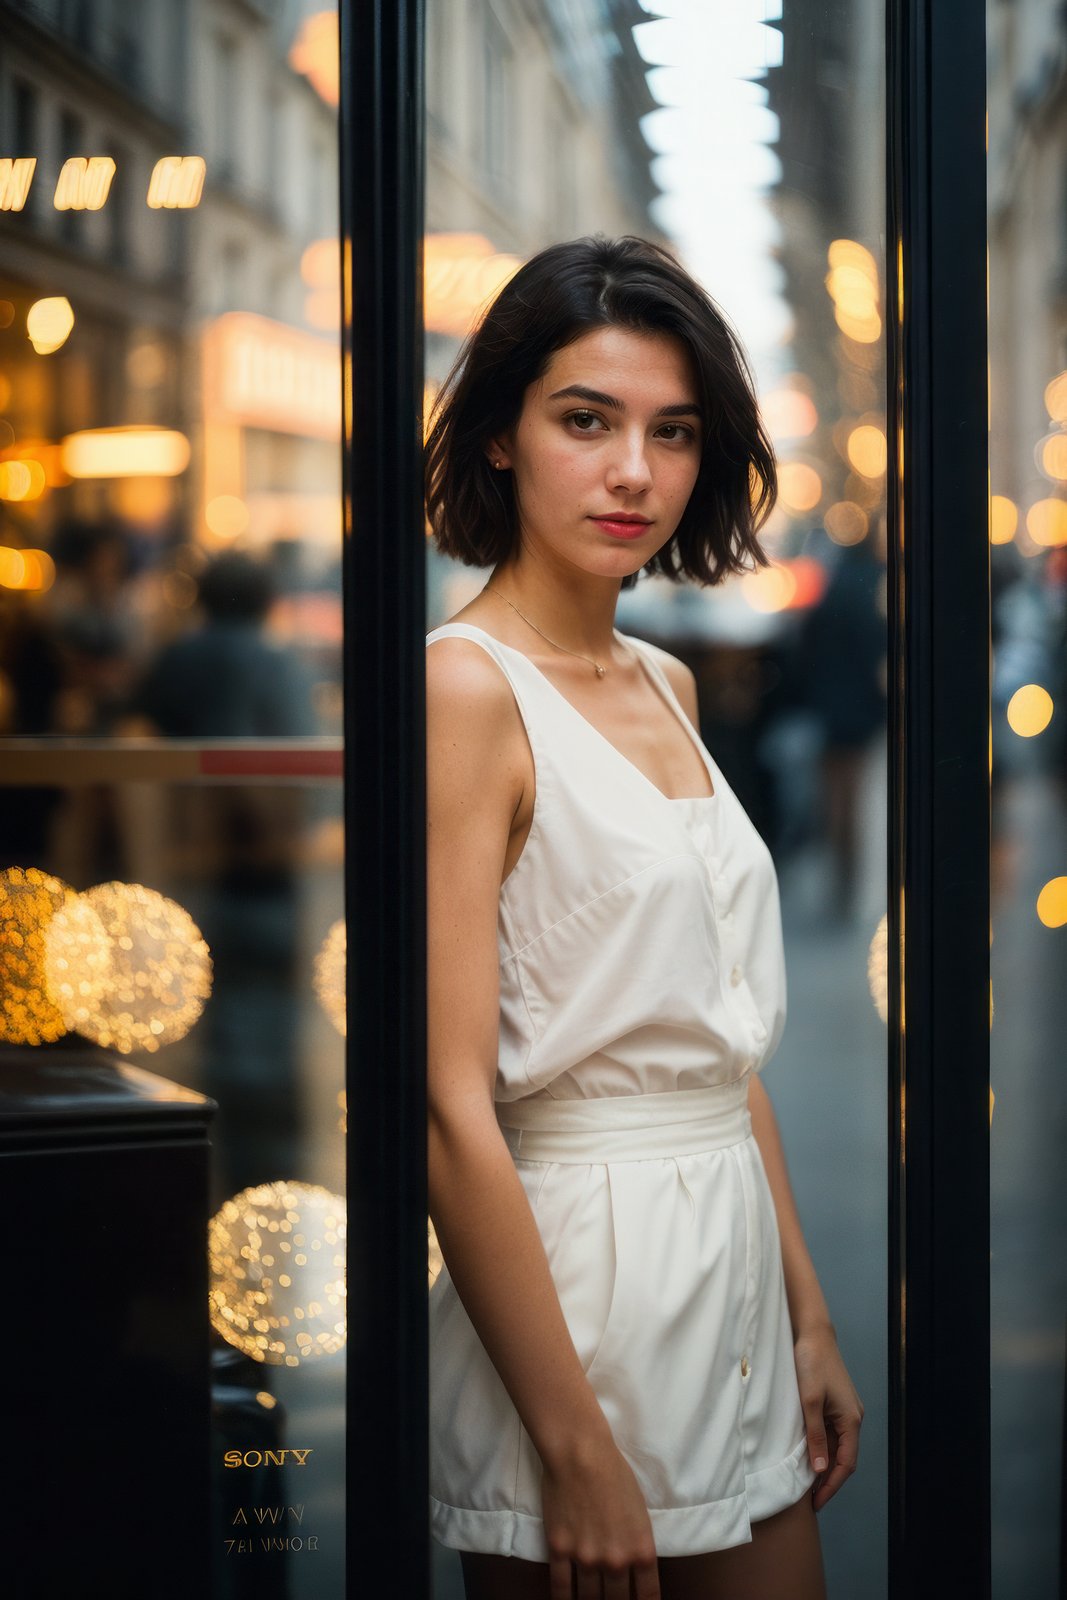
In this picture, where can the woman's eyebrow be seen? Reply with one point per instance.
(578, 391)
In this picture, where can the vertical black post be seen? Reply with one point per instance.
(381, 211)
(939, 801)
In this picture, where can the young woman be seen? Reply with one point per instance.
(635, 1385)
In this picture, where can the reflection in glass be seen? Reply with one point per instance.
(1028, 559)
(749, 138)
(170, 607)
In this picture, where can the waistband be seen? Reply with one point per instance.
(627, 1127)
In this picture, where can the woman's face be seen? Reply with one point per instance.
(606, 451)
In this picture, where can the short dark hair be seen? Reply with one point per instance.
(556, 297)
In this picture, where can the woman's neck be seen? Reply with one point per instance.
(575, 616)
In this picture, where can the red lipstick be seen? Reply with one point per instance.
(622, 524)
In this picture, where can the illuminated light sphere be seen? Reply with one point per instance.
(12, 567)
(789, 414)
(867, 450)
(276, 1255)
(1052, 903)
(770, 589)
(1046, 522)
(1029, 710)
(846, 522)
(1056, 398)
(226, 516)
(160, 975)
(29, 899)
(799, 486)
(878, 968)
(1003, 519)
(850, 253)
(49, 322)
(436, 1259)
(329, 976)
(1051, 455)
(866, 329)
(77, 961)
(316, 54)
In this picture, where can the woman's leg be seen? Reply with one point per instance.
(503, 1578)
(783, 1562)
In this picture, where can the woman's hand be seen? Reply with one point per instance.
(596, 1520)
(833, 1411)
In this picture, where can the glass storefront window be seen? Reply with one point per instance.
(750, 141)
(1028, 560)
(170, 654)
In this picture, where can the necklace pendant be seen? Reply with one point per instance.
(599, 669)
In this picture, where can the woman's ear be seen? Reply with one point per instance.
(497, 454)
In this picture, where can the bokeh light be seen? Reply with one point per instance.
(846, 522)
(867, 450)
(1046, 522)
(227, 516)
(329, 978)
(29, 899)
(1029, 710)
(1056, 398)
(1052, 903)
(799, 486)
(1052, 456)
(49, 323)
(1003, 519)
(276, 1254)
(77, 960)
(160, 976)
(878, 968)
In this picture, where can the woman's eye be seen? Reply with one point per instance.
(676, 431)
(584, 421)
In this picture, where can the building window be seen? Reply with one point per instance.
(497, 101)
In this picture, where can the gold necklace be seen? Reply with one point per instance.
(489, 588)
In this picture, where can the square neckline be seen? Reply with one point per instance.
(672, 703)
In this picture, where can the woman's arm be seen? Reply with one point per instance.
(477, 760)
(833, 1411)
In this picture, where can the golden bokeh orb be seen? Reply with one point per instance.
(329, 979)
(1046, 522)
(799, 486)
(276, 1254)
(77, 960)
(1052, 903)
(867, 450)
(29, 899)
(1029, 710)
(878, 968)
(160, 975)
(1003, 519)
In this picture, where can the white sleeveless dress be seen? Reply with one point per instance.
(642, 978)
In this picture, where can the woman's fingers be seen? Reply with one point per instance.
(646, 1580)
(815, 1427)
(560, 1578)
(844, 1456)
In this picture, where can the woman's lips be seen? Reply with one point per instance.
(621, 530)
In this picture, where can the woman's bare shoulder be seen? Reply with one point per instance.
(474, 728)
(680, 677)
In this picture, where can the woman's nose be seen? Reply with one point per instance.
(629, 468)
